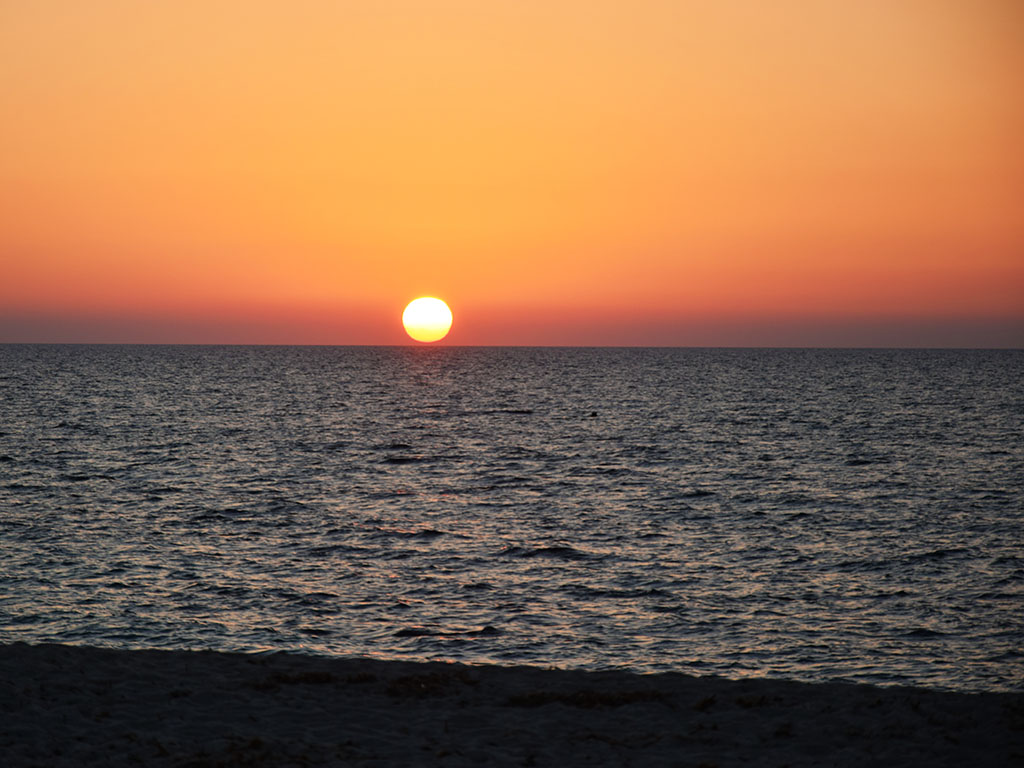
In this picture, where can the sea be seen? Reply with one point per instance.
(807, 514)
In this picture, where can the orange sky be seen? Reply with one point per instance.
(727, 172)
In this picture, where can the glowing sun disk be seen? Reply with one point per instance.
(427, 319)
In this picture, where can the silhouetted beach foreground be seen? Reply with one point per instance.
(63, 705)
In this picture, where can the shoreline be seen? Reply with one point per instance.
(75, 705)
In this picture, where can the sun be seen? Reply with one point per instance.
(427, 319)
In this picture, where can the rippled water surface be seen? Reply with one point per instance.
(807, 514)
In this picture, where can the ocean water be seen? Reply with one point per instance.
(808, 514)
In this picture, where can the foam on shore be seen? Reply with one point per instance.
(75, 706)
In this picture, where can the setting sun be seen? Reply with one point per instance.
(427, 319)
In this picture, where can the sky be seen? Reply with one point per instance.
(560, 172)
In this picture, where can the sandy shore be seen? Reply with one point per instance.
(68, 706)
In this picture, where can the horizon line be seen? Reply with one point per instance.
(433, 345)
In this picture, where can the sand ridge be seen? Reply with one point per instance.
(74, 706)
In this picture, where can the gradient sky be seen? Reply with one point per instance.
(725, 172)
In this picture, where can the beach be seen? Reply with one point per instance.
(71, 706)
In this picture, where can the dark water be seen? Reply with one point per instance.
(806, 514)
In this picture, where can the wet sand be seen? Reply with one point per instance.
(75, 706)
